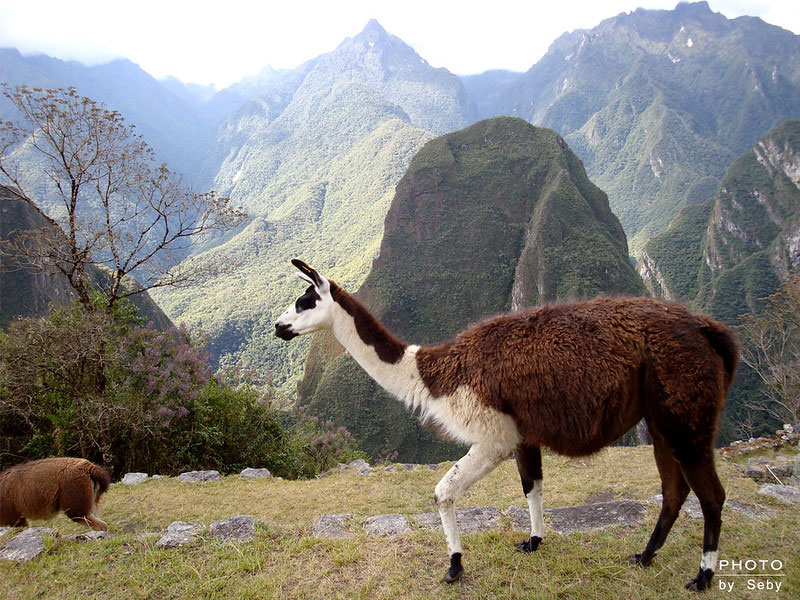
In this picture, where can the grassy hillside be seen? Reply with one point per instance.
(285, 561)
(334, 221)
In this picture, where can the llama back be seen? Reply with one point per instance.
(581, 366)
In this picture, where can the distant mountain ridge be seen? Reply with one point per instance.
(658, 103)
(494, 217)
(313, 114)
(314, 159)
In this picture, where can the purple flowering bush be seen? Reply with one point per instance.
(106, 387)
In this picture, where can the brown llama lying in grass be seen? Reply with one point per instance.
(40, 488)
(571, 377)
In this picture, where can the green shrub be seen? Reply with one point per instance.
(101, 386)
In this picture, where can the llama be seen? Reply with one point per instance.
(571, 377)
(40, 488)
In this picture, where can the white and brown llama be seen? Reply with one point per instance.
(571, 377)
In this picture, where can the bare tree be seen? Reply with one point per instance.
(110, 203)
(771, 347)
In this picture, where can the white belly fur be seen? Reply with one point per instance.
(466, 419)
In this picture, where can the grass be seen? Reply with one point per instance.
(285, 561)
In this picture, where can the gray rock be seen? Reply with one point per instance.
(762, 469)
(361, 466)
(241, 528)
(477, 518)
(748, 510)
(591, 517)
(179, 533)
(387, 525)
(5, 530)
(691, 506)
(330, 526)
(249, 473)
(785, 493)
(134, 478)
(27, 545)
(199, 476)
(520, 518)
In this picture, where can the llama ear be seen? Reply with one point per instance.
(310, 275)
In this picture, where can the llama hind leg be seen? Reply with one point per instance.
(529, 465)
(77, 500)
(478, 462)
(674, 490)
(702, 477)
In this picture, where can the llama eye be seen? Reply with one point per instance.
(307, 301)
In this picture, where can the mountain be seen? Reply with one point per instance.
(314, 159)
(489, 89)
(28, 294)
(658, 103)
(169, 122)
(280, 139)
(494, 217)
(723, 255)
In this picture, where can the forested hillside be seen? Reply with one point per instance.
(723, 255)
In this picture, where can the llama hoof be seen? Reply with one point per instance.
(454, 572)
(530, 545)
(638, 559)
(700, 583)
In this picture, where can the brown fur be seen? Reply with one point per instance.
(575, 377)
(39, 489)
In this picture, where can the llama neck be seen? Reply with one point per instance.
(390, 362)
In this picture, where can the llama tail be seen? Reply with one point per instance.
(100, 478)
(724, 344)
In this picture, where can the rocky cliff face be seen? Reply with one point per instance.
(492, 218)
(725, 254)
(25, 293)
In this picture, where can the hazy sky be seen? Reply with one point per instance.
(222, 41)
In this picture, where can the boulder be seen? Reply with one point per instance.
(241, 528)
(199, 476)
(387, 525)
(250, 473)
(477, 518)
(179, 533)
(330, 526)
(785, 493)
(134, 478)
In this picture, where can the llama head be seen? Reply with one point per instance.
(312, 311)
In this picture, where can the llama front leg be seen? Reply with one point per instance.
(529, 465)
(479, 461)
